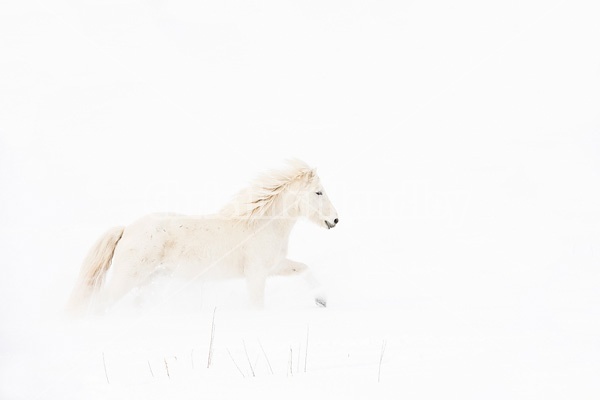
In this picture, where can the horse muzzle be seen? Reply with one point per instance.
(331, 225)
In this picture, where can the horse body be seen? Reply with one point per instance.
(247, 239)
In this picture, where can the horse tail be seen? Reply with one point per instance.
(93, 271)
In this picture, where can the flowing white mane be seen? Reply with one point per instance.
(256, 200)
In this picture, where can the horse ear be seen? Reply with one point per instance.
(312, 173)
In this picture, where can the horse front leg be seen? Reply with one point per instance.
(255, 281)
(288, 267)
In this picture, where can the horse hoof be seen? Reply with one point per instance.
(321, 302)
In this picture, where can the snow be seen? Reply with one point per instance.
(459, 142)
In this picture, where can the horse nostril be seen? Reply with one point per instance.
(335, 221)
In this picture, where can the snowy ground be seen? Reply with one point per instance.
(459, 142)
(527, 349)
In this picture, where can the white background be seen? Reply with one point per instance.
(459, 141)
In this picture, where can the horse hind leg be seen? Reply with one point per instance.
(123, 280)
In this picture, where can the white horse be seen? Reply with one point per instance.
(248, 238)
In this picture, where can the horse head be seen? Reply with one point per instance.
(312, 200)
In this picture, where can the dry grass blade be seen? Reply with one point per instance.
(150, 367)
(266, 358)
(236, 365)
(380, 360)
(167, 368)
(212, 338)
(105, 372)
(291, 372)
(248, 358)
(306, 348)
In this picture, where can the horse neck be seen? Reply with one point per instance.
(277, 227)
(281, 218)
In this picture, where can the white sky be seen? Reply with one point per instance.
(459, 141)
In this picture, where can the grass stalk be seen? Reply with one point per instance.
(380, 360)
(167, 367)
(266, 358)
(212, 338)
(105, 372)
(306, 348)
(248, 358)
(235, 363)
(150, 367)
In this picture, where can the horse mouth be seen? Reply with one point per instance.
(329, 225)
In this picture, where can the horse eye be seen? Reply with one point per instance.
(319, 193)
